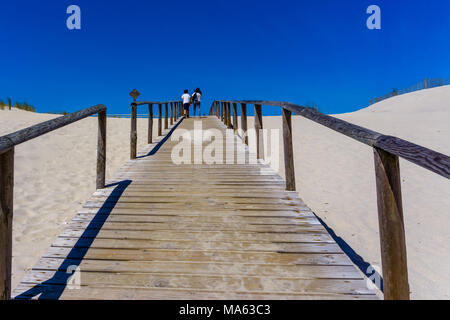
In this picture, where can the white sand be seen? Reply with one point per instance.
(55, 175)
(335, 176)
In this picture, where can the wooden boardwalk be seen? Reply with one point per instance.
(194, 231)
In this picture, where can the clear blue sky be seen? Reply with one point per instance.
(292, 50)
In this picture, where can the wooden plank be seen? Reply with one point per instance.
(210, 245)
(247, 284)
(27, 291)
(313, 236)
(204, 268)
(265, 258)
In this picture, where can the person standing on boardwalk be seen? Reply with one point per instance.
(186, 102)
(196, 100)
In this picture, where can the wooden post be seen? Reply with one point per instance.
(218, 109)
(166, 116)
(171, 113)
(221, 111)
(6, 221)
(235, 121)
(228, 115)
(258, 129)
(160, 120)
(288, 150)
(133, 137)
(392, 228)
(244, 122)
(150, 123)
(101, 150)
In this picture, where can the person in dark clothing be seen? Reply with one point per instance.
(196, 98)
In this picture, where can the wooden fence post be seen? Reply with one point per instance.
(218, 109)
(258, 129)
(244, 122)
(166, 116)
(221, 111)
(133, 137)
(101, 150)
(171, 113)
(6, 221)
(288, 150)
(235, 119)
(150, 123)
(160, 120)
(228, 115)
(392, 228)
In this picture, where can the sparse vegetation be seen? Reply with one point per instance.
(25, 106)
(19, 105)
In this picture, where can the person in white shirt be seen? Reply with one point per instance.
(196, 97)
(186, 102)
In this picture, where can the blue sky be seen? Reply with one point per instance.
(299, 51)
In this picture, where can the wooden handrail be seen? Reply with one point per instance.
(387, 150)
(175, 113)
(7, 147)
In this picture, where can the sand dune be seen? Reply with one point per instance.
(55, 174)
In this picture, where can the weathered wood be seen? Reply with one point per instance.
(222, 111)
(6, 221)
(288, 150)
(171, 113)
(133, 132)
(18, 137)
(244, 122)
(434, 161)
(150, 124)
(235, 118)
(424, 157)
(258, 132)
(229, 124)
(164, 234)
(392, 228)
(166, 116)
(160, 119)
(101, 150)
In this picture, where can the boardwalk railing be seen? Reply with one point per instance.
(7, 145)
(175, 113)
(387, 150)
(425, 84)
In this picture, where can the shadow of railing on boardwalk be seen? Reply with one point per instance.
(54, 287)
